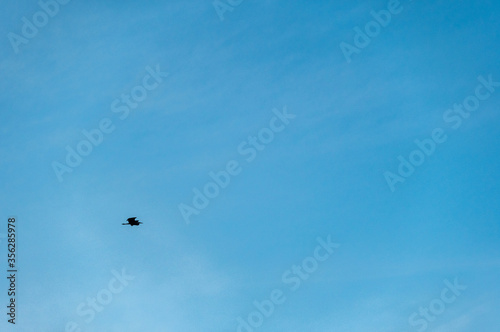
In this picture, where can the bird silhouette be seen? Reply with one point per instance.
(132, 222)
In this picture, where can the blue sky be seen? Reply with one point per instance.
(323, 175)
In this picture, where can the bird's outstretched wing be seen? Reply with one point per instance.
(131, 220)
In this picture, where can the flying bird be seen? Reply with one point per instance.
(133, 222)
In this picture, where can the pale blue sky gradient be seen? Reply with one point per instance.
(323, 175)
